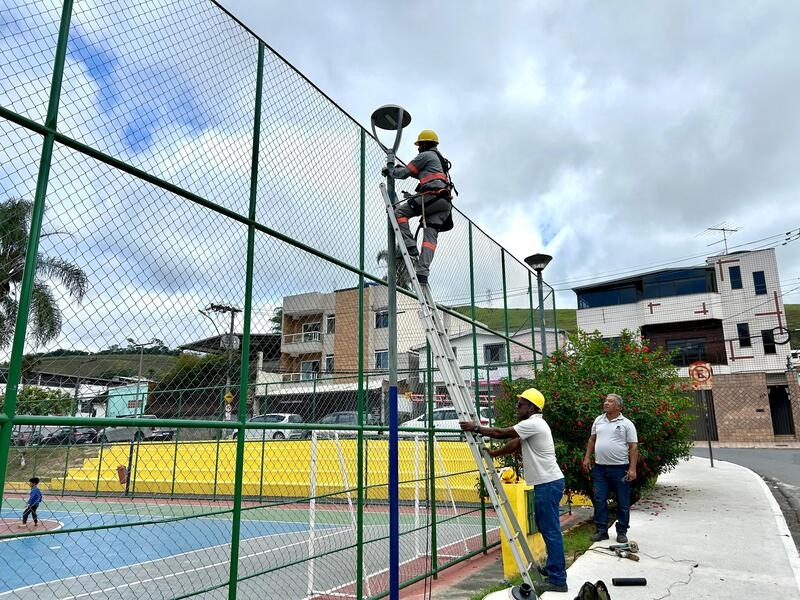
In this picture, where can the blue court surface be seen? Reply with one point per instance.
(31, 560)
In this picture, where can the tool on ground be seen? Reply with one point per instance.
(629, 546)
(464, 404)
(627, 554)
(627, 581)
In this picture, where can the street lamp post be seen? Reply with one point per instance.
(391, 117)
(141, 346)
(538, 262)
(139, 404)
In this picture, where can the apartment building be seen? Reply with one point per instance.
(494, 357)
(320, 351)
(728, 312)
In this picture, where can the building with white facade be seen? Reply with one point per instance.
(319, 357)
(729, 313)
(495, 360)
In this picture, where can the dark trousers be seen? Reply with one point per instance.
(436, 211)
(30, 511)
(608, 478)
(547, 497)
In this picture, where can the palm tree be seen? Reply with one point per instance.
(45, 317)
(403, 277)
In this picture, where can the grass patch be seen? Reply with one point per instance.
(576, 542)
(46, 462)
(519, 318)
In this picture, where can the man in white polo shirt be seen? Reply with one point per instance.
(533, 435)
(615, 446)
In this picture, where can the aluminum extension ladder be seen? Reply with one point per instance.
(465, 408)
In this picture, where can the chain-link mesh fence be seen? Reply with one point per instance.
(194, 321)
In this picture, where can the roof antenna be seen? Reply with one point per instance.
(725, 228)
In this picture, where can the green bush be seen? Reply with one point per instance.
(32, 400)
(576, 380)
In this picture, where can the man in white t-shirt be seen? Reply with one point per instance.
(615, 446)
(532, 434)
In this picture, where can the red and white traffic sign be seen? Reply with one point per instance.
(701, 375)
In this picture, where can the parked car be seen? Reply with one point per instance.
(31, 435)
(443, 418)
(22, 435)
(128, 433)
(270, 434)
(346, 417)
(69, 435)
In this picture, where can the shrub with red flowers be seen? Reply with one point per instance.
(576, 380)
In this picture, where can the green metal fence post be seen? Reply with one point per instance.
(475, 375)
(555, 321)
(175, 455)
(218, 435)
(29, 271)
(431, 462)
(505, 312)
(532, 318)
(360, 497)
(248, 311)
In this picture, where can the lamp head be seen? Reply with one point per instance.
(390, 117)
(538, 262)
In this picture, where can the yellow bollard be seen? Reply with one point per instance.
(517, 500)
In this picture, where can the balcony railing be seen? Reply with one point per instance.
(302, 376)
(299, 338)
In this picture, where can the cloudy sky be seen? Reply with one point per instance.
(610, 135)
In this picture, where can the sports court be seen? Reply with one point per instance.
(158, 550)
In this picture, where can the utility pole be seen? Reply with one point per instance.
(223, 308)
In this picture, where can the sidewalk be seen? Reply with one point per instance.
(703, 533)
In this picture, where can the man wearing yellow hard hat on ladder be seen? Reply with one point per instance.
(532, 435)
(433, 200)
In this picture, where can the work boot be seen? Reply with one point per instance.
(598, 536)
(546, 586)
(622, 538)
(542, 571)
(423, 279)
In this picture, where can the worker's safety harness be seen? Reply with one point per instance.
(445, 193)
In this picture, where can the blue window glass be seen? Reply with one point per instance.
(381, 319)
(735, 275)
(759, 283)
(382, 359)
(608, 297)
(681, 282)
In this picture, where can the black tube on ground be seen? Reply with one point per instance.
(621, 581)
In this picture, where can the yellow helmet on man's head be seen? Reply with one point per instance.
(533, 396)
(427, 135)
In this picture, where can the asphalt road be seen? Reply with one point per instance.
(780, 468)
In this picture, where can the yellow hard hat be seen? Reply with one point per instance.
(533, 396)
(427, 135)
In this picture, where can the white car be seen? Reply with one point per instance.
(124, 433)
(269, 434)
(444, 418)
